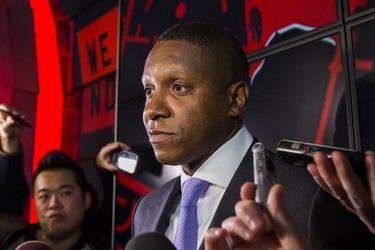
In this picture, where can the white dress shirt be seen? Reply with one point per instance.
(218, 169)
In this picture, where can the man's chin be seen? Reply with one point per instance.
(57, 230)
(166, 159)
(57, 233)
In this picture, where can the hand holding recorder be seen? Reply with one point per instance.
(115, 156)
(262, 220)
(337, 177)
(250, 228)
(346, 174)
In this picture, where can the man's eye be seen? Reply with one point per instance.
(178, 88)
(43, 197)
(148, 91)
(66, 193)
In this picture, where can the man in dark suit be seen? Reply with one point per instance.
(197, 86)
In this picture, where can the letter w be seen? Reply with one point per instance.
(91, 51)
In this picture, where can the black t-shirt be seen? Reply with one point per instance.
(89, 240)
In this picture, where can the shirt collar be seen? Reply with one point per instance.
(220, 167)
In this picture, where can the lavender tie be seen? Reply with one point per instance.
(187, 228)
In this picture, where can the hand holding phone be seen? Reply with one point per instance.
(126, 161)
(301, 154)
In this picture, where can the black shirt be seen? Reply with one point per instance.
(88, 241)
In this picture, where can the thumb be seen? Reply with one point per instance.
(214, 238)
(287, 232)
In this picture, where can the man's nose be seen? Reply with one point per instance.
(156, 107)
(54, 202)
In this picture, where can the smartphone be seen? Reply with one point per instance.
(301, 154)
(261, 173)
(126, 161)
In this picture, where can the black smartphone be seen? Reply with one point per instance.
(301, 154)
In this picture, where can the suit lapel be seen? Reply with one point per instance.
(167, 206)
(232, 194)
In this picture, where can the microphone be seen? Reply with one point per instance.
(150, 240)
(33, 245)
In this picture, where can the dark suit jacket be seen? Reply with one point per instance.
(327, 224)
(14, 191)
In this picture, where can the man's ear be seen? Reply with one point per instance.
(87, 200)
(238, 95)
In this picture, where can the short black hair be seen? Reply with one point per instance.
(217, 43)
(55, 160)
